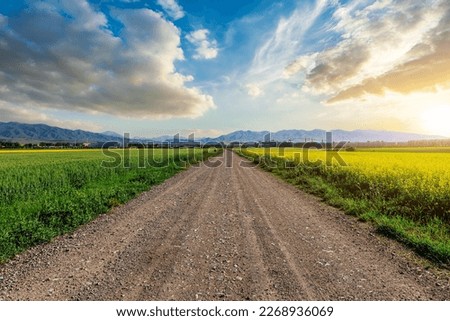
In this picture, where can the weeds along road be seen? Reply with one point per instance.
(229, 232)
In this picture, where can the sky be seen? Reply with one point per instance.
(157, 67)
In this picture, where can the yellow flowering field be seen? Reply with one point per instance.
(405, 191)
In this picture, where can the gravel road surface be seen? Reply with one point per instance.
(227, 232)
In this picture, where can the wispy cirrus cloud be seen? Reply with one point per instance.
(284, 43)
(80, 65)
(281, 46)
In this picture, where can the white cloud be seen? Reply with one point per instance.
(267, 75)
(301, 63)
(385, 46)
(172, 8)
(79, 65)
(30, 115)
(254, 90)
(205, 49)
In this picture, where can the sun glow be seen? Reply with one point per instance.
(436, 120)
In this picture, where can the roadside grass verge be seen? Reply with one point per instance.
(43, 195)
(418, 221)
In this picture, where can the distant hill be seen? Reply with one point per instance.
(112, 134)
(13, 131)
(296, 135)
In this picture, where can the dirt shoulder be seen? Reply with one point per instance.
(230, 232)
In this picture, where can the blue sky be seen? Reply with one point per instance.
(211, 67)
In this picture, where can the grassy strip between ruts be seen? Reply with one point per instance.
(430, 238)
(43, 195)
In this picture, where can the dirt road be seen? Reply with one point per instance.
(225, 233)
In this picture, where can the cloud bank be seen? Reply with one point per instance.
(78, 64)
(396, 46)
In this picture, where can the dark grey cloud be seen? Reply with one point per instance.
(343, 65)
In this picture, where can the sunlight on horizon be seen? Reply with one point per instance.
(437, 120)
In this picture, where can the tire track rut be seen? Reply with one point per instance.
(228, 232)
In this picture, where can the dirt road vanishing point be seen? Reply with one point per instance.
(230, 232)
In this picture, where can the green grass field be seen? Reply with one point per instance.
(405, 192)
(50, 192)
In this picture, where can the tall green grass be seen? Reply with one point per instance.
(45, 194)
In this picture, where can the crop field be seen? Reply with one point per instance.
(405, 192)
(44, 193)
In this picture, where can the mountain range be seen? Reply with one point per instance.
(13, 131)
(19, 132)
(296, 135)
